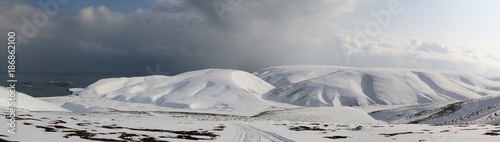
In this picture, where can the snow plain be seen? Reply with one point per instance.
(268, 105)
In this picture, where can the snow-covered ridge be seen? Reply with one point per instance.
(228, 90)
(203, 89)
(484, 110)
(26, 102)
(344, 86)
(285, 75)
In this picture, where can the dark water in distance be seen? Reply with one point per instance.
(52, 84)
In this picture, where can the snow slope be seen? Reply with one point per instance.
(285, 75)
(485, 110)
(204, 89)
(342, 86)
(87, 104)
(26, 102)
(319, 114)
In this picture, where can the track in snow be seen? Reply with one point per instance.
(247, 133)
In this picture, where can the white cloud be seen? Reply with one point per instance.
(90, 15)
(170, 2)
(87, 15)
(421, 55)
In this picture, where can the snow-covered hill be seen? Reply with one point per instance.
(485, 110)
(285, 75)
(217, 89)
(233, 91)
(343, 86)
(26, 102)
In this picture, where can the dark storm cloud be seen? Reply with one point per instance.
(181, 35)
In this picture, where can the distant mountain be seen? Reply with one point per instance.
(343, 86)
(485, 110)
(219, 89)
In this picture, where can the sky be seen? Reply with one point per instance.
(174, 36)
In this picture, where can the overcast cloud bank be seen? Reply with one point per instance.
(183, 35)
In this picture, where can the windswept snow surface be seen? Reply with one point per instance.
(320, 114)
(485, 110)
(160, 126)
(26, 102)
(343, 86)
(214, 89)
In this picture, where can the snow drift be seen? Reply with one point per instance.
(343, 86)
(26, 102)
(204, 89)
